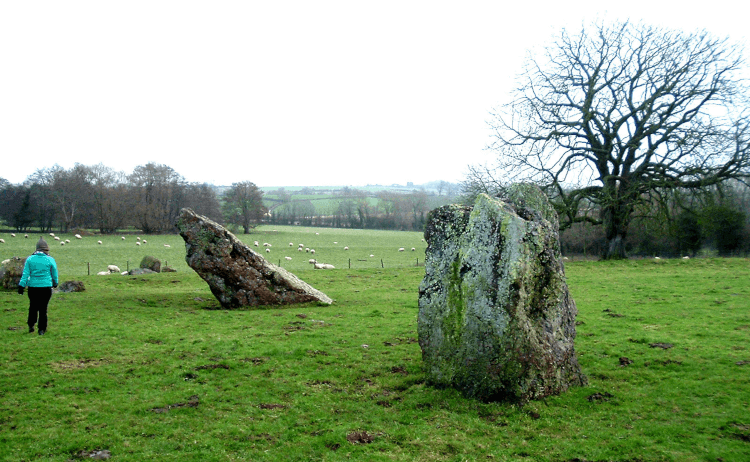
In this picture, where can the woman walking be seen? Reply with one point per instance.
(40, 276)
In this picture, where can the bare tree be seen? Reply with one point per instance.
(613, 114)
(159, 195)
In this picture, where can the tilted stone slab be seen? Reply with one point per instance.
(236, 274)
(496, 319)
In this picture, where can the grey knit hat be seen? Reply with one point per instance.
(42, 246)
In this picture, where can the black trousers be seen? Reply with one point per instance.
(38, 301)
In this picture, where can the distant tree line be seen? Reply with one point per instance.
(97, 197)
(355, 208)
(150, 198)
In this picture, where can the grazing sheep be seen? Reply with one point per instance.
(113, 269)
(57, 238)
(144, 241)
(266, 244)
(312, 261)
(99, 242)
(167, 246)
(413, 249)
(138, 238)
(346, 248)
(291, 244)
(26, 236)
(12, 235)
(123, 238)
(268, 250)
(317, 265)
(62, 242)
(299, 249)
(301, 245)
(2, 241)
(401, 249)
(78, 236)
(657, 258)
(52, 234)
(255, 243)
(312, 251)
(102, 273)
(137, 243)
(288, 258)
(686, 257)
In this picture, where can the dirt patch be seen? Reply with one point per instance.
(271, 406)
(360, 437)
(399, 370)
(737, 430)
(211, 367)
(97, 454)
(193, 401)
(663, 346)
(742, 363)
(600, 397)
(624, 362)
(255, 361)
(77, 364)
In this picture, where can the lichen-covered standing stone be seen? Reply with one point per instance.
(237, 275)
(496, 319)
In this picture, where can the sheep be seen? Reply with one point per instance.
(346, 248)
(78, 236)
(312, 251)
(266, 244)
(12, 235)
(26, 236)
(401, 249)
(323, 266)
(167, 246)
(268, 250)
(138, 238)
(67, 241)
(102, 273)
(99, 242)
(413, 249)
(137, 243)
(57, 238)
(291, 244)
(312, 261)
(113, 269)
(255, 243)
(2, 241)
(657, 258)
(288, 258)
(62, 242)
(144, 241)
(301, 245)
(686, 257)
(123, 238)
(52, 234)
(299, 249)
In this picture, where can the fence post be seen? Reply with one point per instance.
(381, 263)
(88, 268)
(350, 263)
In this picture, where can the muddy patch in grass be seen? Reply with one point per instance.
(600, 397)
(212, 367)
(360, 437)
(192, 401)
(77, 364)
(271, 406)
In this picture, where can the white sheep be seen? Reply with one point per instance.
(137, 243)
(167, 246)
(346, 248)
(12, 235)
(312, 261)
(323, 266)
(413, 249)
(113, 269)
(299, 249)
(255, 243)
(401, 249)
(2, 241)
(26, 236)
(312, 251)
(52, 234)
(78, 236)
(301, 245)
(99, 242)
(138, 238)
(686, 257)
(123, 238)
(102, 273)
(288, 258)
(291, 244)
(57, 238)
(268, 250)
(67, 241)
(144, 241)
(62, 242)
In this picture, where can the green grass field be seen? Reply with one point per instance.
(148, 367)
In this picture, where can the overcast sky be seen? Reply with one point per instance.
(280, 93)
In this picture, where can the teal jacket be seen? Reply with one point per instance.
(40, 270)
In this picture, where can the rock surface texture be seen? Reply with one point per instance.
(496, 320)
(237, 275)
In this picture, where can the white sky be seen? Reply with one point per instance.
(280, 93)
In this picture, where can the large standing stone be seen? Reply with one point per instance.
(496, 320)
(236, 274)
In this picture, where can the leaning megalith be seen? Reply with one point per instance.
(237, 275)
(496, 319)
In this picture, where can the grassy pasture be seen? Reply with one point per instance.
(147, 368)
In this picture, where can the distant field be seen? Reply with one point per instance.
(79, 257)
(150, 368)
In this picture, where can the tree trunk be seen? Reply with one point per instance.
(616, 220)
